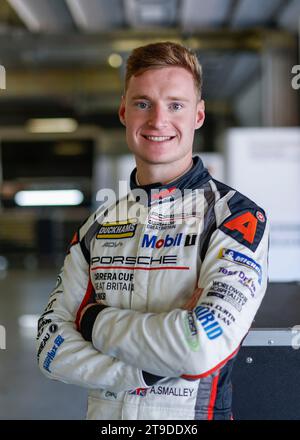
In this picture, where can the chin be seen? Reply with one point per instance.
(159, 154)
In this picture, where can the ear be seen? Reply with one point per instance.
(200, 115)
(122, 111)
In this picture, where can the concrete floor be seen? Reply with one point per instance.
(24, 392)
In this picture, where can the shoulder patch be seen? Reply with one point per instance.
(245, 227)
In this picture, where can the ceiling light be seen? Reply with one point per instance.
(115, 60)
(51, 125)
(71, 197)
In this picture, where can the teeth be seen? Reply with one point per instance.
(159, 138)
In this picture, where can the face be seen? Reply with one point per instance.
(161, 112)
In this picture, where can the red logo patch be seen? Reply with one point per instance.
(260, 216)
(245, 224)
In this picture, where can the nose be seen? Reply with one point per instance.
(158, 117)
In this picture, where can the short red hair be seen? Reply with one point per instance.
(163, 54)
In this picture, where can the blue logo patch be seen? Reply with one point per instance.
(208, 321)
(239, 258)
(154, 242)
(52, 353)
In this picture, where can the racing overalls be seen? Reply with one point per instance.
(141, 354)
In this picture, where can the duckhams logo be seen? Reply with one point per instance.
(121, 229)
(2, 338)
(2, 78)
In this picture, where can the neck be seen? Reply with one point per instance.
(164, 173)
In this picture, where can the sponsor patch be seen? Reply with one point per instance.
(112, 244)
(163, 390)
(168, 241)
(161, 221)
(239, 258)
(53, 328)
(246, 228)
(43, 344)
(208, 322)
(190, 331)
(42, 322)
(111, 281)
(242, 279)
(155, 242)
(120, 229)
(52, 353)
(260, 216)
(220, 313)
(109, 394)
(228, 293)
(142, 392)
(50, 305)
(141, 260)
(190, 240)
(100, 296)
(171, 391)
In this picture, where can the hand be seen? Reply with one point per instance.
(192, 301)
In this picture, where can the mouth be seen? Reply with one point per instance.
(158, 138)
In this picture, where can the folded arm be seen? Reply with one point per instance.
(62, 352)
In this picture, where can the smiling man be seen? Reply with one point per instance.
(150, 312)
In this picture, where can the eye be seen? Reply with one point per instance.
(175, 106)
(142, 105)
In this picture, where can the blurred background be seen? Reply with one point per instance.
(63, 64)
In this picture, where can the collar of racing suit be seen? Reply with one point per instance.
(193, 178)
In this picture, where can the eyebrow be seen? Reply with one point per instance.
(134, 98)
(169, 98)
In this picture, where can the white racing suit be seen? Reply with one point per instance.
(145, 357)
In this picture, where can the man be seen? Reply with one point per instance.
(158, 292)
